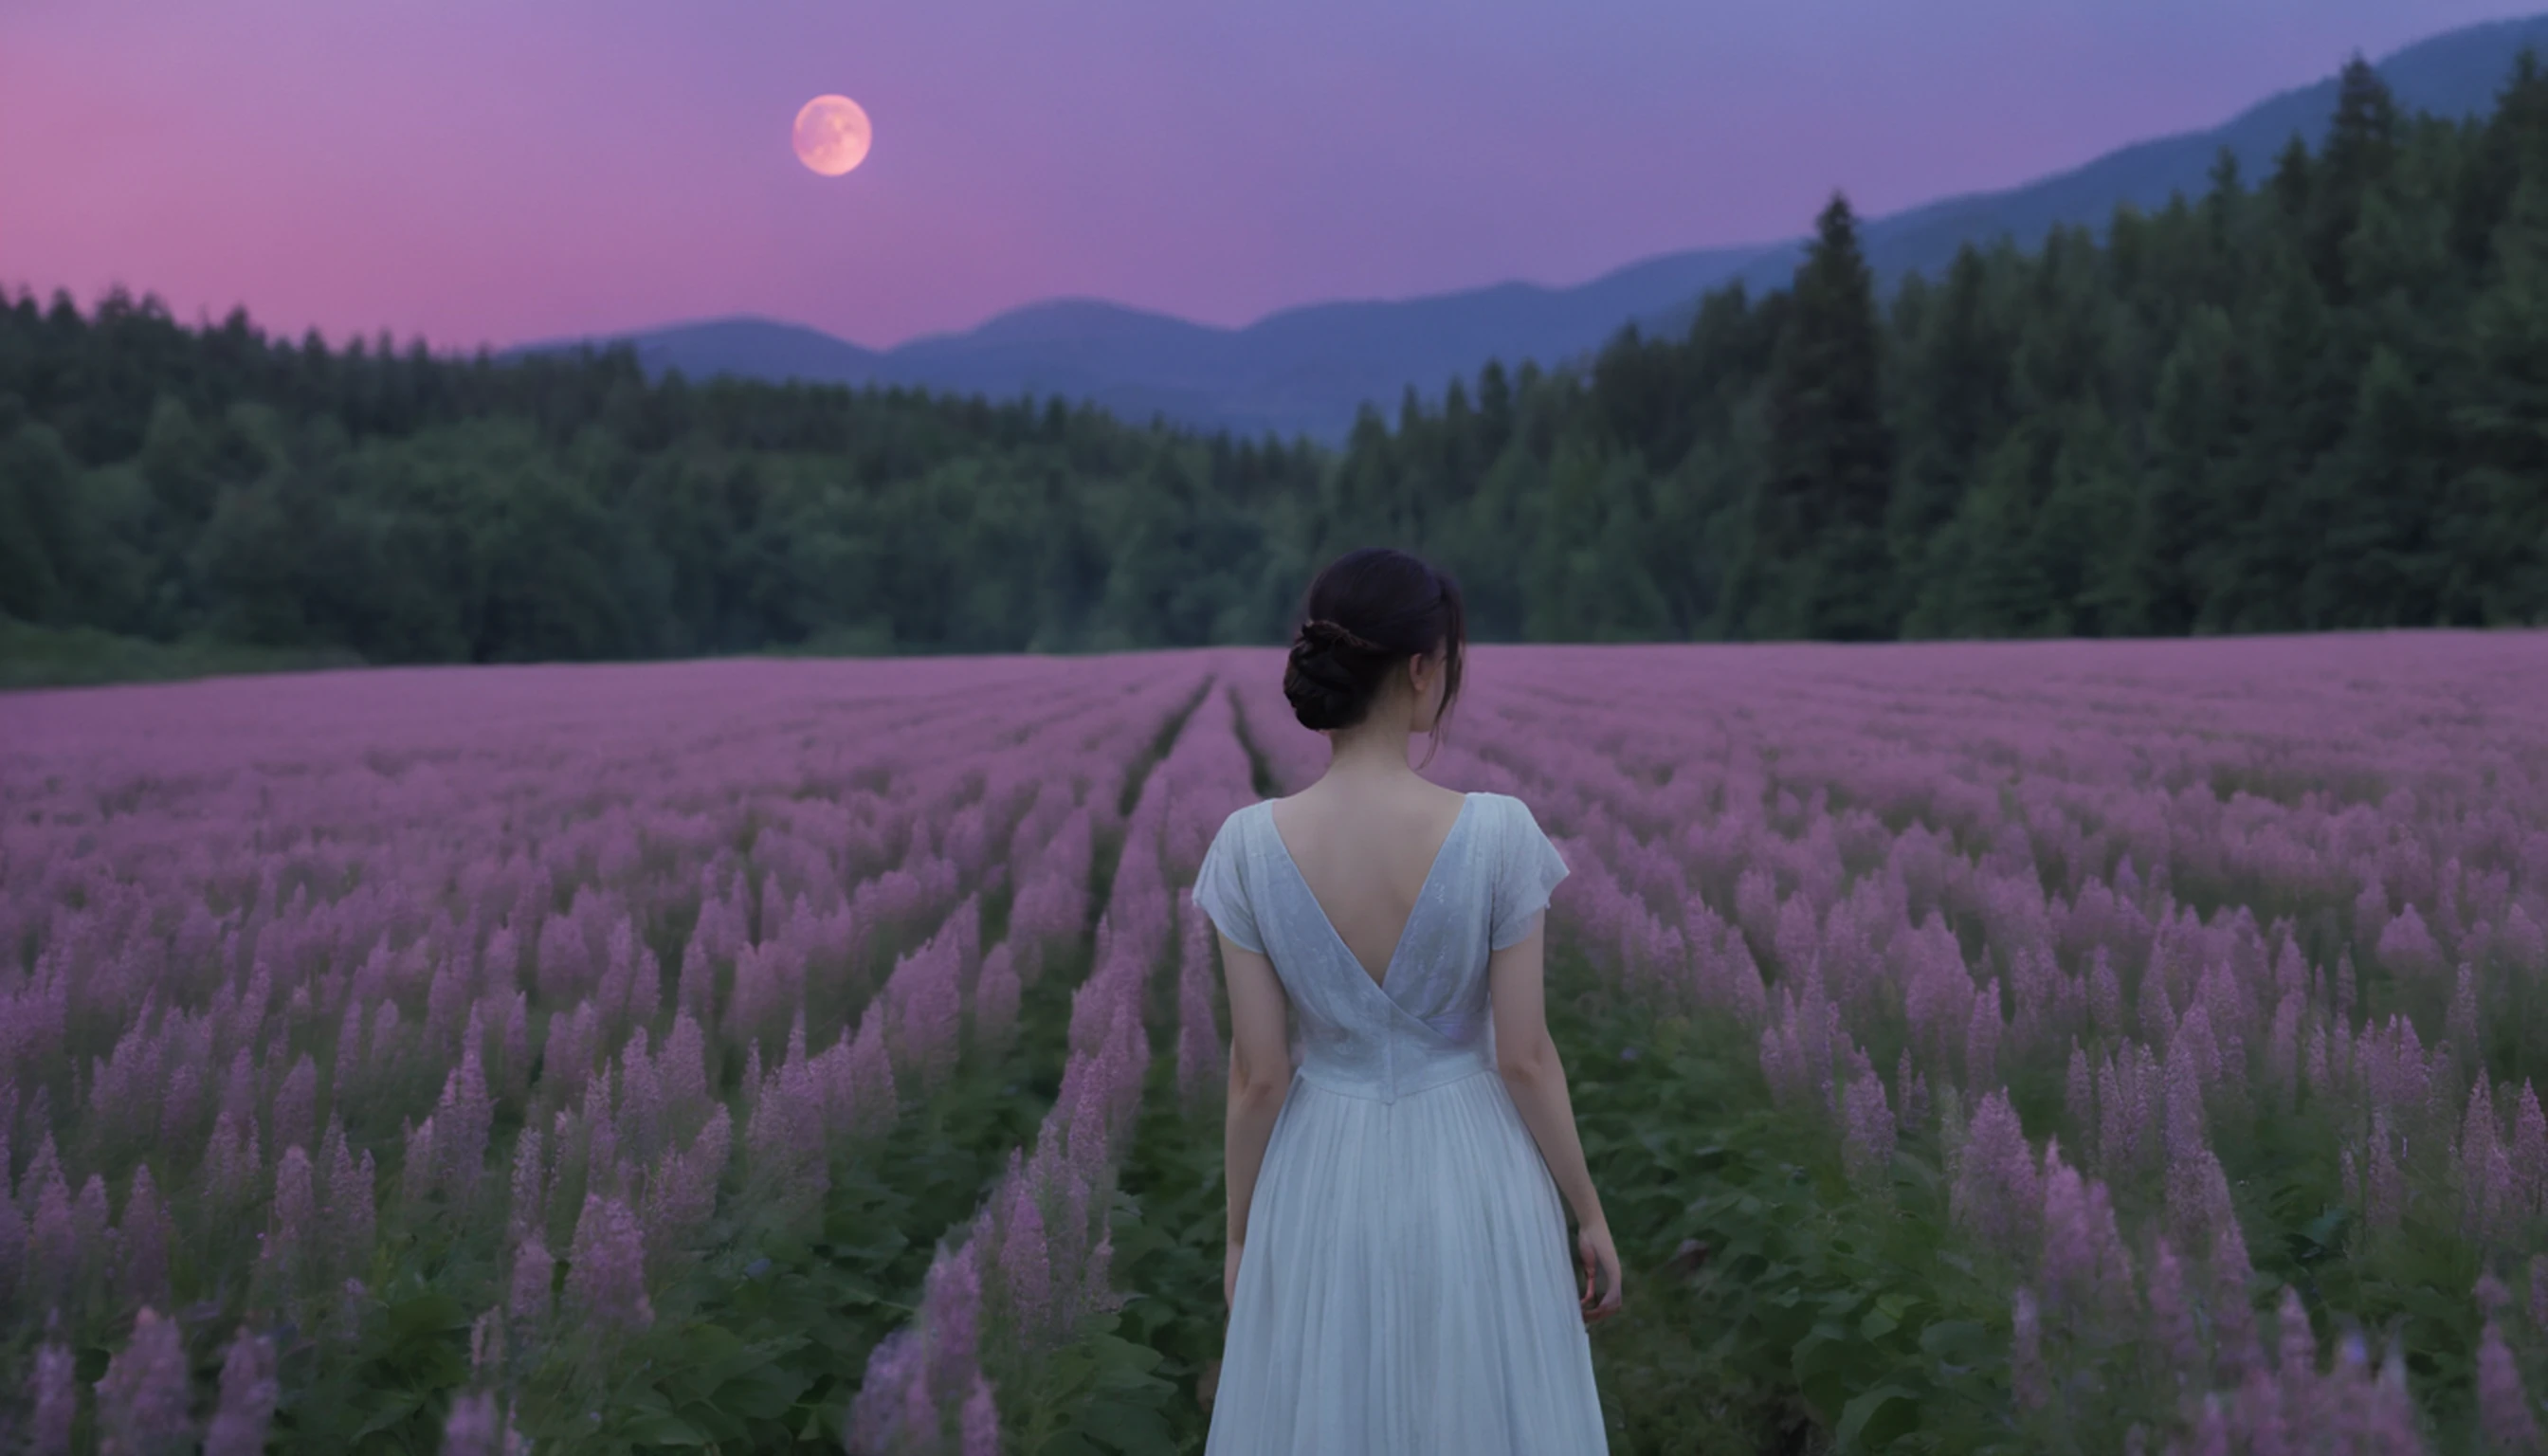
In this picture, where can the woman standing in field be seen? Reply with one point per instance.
(1398, 1275)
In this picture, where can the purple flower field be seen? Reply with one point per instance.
(442, 1058)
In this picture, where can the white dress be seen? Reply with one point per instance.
(1408, 1286)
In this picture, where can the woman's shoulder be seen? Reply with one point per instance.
(1508, 804)
(1502, 816)
(1230, 847)
(1232, 822)
(1515, 824)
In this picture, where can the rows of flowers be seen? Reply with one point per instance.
(2096, 968)
(2165, 1014)
(1026, 1278)
(531, 990)
(2146, 956)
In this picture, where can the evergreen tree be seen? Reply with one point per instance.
(1828, 482)
(2178, 517)
(1495, 410)
(2490, 167)
(2373, 565)
(2497, 520)
(1954, 388)
(2361, 147)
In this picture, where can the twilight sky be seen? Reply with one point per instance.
(502, 170)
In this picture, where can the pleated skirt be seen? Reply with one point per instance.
(1406, 1287)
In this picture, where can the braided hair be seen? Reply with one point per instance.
(1367, 612)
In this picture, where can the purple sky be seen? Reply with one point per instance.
(501, 170)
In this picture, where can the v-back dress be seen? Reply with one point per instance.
(1408, 1286)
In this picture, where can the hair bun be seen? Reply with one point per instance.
(1331, 636)
(1332, 674)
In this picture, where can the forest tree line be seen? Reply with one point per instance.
(2315, 402)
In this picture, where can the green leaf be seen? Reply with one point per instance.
(1956, 1341)
(1874, 1417)
(661, 1428)
(761, 1393)
(398, 1407)
(1131, 1429)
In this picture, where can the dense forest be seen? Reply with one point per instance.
(160, 482)
(2319, 400)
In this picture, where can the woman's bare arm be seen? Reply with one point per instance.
(1527, 1057)
(1261, 1071)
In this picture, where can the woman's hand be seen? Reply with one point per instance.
(1230, 1275)
(1601, 1294)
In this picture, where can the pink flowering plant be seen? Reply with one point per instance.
(2062, 1046)
(581, 1056)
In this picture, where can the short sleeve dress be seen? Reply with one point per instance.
(1406, 1286)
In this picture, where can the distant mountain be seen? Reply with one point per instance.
(1308, 370)
(752, 348)
(1301, 371)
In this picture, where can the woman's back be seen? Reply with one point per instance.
(1367, 854)
(1424, 1019)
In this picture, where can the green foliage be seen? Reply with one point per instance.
(1816, 543)
(1168, 1232)
(171, 484)
(56, 657)
(1815, 1317)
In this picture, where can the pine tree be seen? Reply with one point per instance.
(2496, 523)
(2374, 496)
(2196, 423)
(2303, 389)
(1953, 400)
(1818, 534)
(2493, 166)
(1495, 410)
(2361, 149)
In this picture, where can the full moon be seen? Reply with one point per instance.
(831, 135)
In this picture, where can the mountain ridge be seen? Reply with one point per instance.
(1309, 369)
